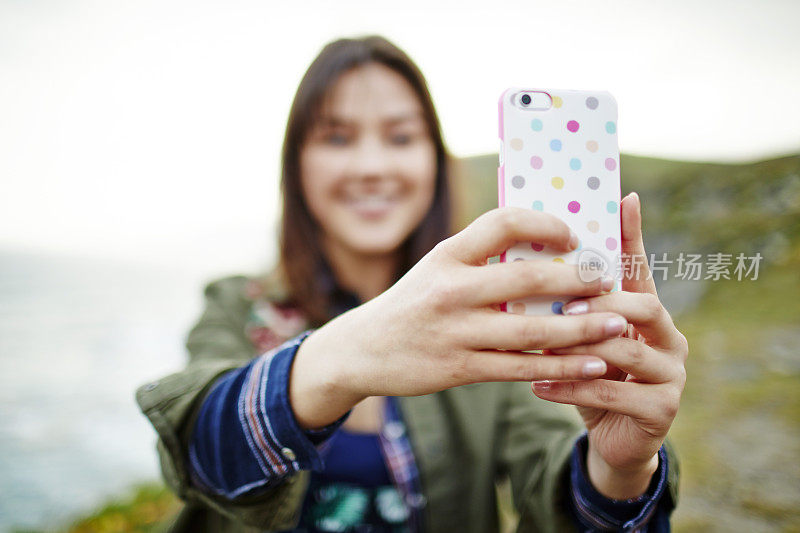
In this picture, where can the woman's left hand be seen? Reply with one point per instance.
(630, 409)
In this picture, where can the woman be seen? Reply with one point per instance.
(400, 393)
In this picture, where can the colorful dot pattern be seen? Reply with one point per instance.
(564, 161)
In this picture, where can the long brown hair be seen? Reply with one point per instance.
(301, 256)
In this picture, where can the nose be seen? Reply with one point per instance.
(370, 159)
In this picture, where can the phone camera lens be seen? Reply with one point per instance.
(526, 99)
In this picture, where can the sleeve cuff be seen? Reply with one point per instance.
(268, 420)
(597, 512)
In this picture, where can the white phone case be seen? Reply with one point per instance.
(563, 160)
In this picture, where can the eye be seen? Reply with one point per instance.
(336, 139)
(401, 139)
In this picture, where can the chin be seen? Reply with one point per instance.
(377, 244)
(378, 248)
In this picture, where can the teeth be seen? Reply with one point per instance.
(371, 200)
(373, 205)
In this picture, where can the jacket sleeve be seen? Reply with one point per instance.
(217, 345)
(540, 442)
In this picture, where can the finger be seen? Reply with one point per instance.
(643, 310)
(637, 276)
(634, 357)
(494, 365)
(505, 331)
(501, 282)
(612, 372)
(497, 230)
(643, 401)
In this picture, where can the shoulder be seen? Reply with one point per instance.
(228, 296)
(246, 289)
(260, 305)
(229, 286)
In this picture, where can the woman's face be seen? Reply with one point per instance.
(368, 167)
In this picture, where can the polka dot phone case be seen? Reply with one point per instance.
(559, 155)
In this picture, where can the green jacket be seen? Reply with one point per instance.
(464, 439)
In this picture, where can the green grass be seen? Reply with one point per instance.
(148, 508)
(738, 393)
(144, 511)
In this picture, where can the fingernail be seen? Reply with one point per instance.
(606, 283)
(573, 240)
(541, 385)
(594, 368)
(615, 326)
(578, 307)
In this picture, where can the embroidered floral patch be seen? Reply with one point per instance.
(268, 324)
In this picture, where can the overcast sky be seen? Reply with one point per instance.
(151, 130)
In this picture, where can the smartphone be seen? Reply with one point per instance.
(559, 155)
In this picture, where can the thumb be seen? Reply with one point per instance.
(636, 275)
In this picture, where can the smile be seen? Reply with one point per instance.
(372, 206)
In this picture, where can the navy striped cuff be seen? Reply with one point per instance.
(596, 512)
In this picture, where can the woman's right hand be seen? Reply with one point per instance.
(440, 325)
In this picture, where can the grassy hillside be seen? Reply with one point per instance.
(738, 431)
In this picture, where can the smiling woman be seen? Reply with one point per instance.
(370, 381)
